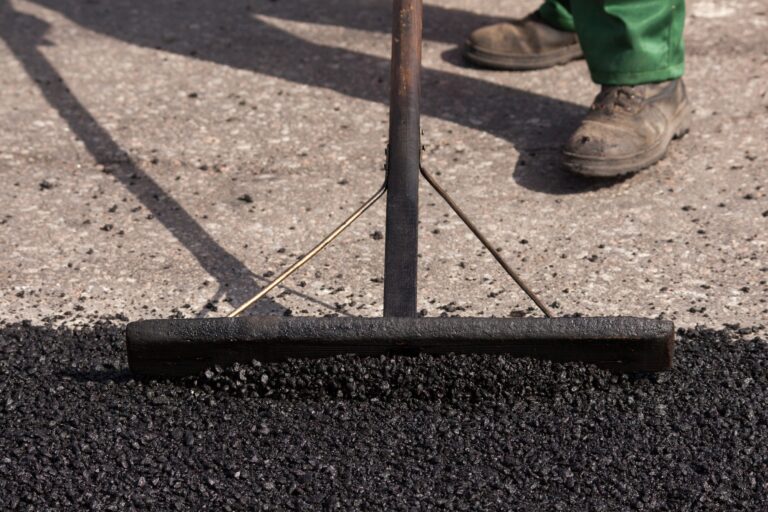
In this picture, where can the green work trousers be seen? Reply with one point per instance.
(625, 42)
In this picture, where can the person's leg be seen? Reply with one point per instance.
(634, 49)
(557, 13)
(543, 39)
(630, 42)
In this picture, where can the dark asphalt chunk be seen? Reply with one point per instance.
(462, 433)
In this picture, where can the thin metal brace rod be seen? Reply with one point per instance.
(311, 254)
(431, 180)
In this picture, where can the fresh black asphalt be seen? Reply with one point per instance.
(473, 433)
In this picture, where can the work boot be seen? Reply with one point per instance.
(628, 128)
(529, 43)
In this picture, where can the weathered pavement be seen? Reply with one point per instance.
(163, 158)
(156, 156)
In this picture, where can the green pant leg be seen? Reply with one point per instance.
(557, 13)
(630, 42)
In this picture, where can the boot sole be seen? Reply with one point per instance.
(612, 167)
(487, 59)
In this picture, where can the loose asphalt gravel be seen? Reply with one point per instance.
(463, 433)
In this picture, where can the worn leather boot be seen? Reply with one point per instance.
(628, 128)
(523, 44)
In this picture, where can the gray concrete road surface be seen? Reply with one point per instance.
(164, 157)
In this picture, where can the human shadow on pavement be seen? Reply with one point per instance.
(24, 35)
(243, 34)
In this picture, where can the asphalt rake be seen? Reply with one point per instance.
(178, 347)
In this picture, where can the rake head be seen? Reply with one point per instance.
(187, 347)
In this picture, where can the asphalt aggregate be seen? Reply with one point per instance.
(80, 432)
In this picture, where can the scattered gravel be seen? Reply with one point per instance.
(461, 433)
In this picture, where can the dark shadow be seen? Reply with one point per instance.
(24, 35)
(453, 56)
(442, 24)
(536, 168)
(240, 34)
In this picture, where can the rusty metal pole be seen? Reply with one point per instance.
(401, 248)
